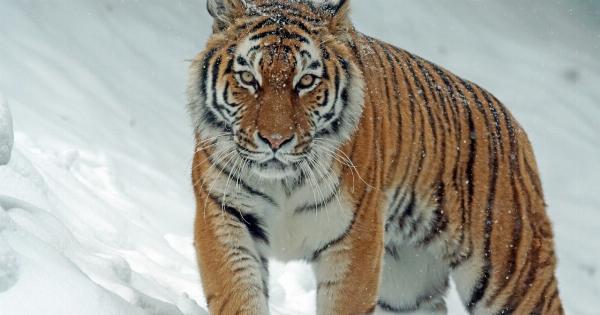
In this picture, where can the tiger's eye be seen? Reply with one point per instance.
(247, 78)
(306, 81)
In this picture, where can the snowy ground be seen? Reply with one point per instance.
(95, 204)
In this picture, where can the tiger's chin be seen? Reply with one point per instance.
(275, 170)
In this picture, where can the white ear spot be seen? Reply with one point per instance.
(331, 6)
(215, 8)
(327, 2)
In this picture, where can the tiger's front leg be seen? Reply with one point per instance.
(230, 265)
(348, 269)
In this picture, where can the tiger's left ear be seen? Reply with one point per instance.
(225, 12)
(338, 11)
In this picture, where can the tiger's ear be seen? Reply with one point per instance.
(225, 12)
(338, 11)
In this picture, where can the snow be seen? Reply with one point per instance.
(96, 208)
(6, 132)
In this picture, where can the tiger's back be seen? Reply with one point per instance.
(461, 181)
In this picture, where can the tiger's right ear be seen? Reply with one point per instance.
(225, 12)
(338, 12)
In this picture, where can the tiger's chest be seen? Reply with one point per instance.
(304, 221)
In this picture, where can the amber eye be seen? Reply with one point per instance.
(306, 81)
(247, 78)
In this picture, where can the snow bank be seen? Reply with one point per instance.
(6, 132)
(68, 257)
(35, 278)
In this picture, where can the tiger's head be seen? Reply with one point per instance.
(276, 88)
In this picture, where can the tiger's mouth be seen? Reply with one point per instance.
(274, 164)
(275, 169)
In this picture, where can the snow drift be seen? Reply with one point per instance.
(6, 132)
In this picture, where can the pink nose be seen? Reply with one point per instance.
(275, 140)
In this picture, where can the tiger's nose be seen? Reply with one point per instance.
(275, 140)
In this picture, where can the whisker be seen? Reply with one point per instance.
(229, 157)
(346, 158)
(330, 179)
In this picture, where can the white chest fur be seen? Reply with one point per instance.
(297, 221)
(304, 221)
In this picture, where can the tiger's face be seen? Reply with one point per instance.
(276, 89)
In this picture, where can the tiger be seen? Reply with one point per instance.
(385, 172)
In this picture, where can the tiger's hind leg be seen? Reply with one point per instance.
(413, 281)
(531, 288)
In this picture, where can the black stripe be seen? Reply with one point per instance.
(357, 52)
(325, 99)
(420, 300)
(395, 204)
(535, 179)
(392, 251)
(242, 183)
(327, 284)
(317, 253)
(472, 151)
(204, 71)
(241, 258)
(339, 92)
(448, 98)
(325, 53)
(279, 22)
(412, 106)
(314, 65)
(439, 221)
(235, 106)
(483, 282)
(254, 225)
(493, 179)
(421, 149)
(384, 78)
(215, 76)
(208, 116)
(415, 224)
(517, 228)
(239, 251)
(427, 105)
(537, 310)
(242, 61)
(281, 33)
(315, 207)
(396, 309)
(533, 250)
(497, 122)
(398, 118)
(408, 212)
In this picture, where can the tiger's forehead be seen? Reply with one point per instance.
(294, 16)
(277, 46)
(282, 35)
(305, 10)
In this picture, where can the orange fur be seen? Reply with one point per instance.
(449, 143)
